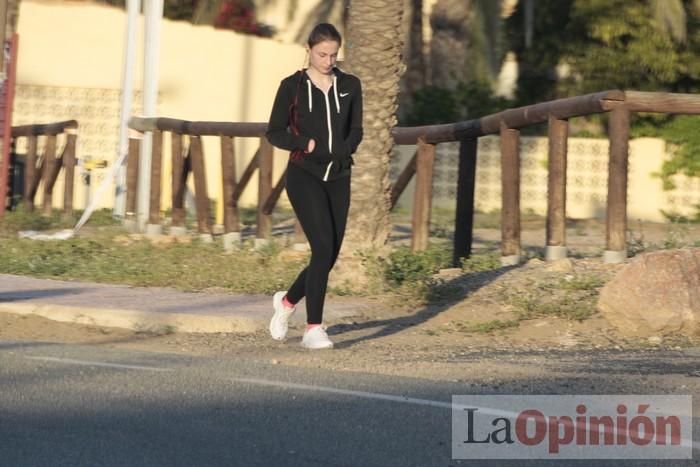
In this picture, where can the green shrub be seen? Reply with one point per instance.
(481, 262)
(435, 105)
(404, 266)
(677, 130)
(489, 327)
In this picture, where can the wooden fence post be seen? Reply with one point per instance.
(300, 241)
(616, 228)
(510, 196)
(200, 185)
(49, 163)
(247, 175)
(38, 175)
(403, 179)
(153, 227)
(56, 169)
(264, 221)
(178, 185)
(464, 216)
(132, 178)
(275, 193)
(232, 225)
(556, 189)
(228, 175)
(69, 171)
(30, 173)
(423, 196)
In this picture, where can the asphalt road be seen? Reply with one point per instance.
(66, 405)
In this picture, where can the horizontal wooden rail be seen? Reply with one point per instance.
(184, 127)
(512, 118)
(519, 117)
(660, 102)
(507, 123)
(49, 165)
(47, 129)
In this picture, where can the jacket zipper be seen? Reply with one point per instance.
(330, 134)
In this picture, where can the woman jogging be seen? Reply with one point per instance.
(317, 116)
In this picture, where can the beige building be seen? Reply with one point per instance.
(70, 67)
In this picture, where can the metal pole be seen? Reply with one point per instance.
(153, 13)
(3, 21)
(133, 8)
(5, 136)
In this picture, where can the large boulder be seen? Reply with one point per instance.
(656, 293)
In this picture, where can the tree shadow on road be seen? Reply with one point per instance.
(23, 295)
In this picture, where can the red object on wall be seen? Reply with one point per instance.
(7, 94)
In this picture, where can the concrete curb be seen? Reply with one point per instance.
(143, 321)
(160, 310)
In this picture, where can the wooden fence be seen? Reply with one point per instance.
(194, 162)
(47, 166)
(507, 124)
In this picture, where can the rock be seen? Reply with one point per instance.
(123, 240)
(655, 294)
(292, 255)
(449, 273)
(162, 241)
(655, 340)
(186, 239)
(560, 265)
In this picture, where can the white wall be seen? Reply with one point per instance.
(70, 66)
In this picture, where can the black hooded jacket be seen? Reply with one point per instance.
(333, 120)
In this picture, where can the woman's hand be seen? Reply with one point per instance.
(312, 145)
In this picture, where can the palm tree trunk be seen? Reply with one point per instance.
(373, 53)
(415, 77)
(451, 42)
(466, 43)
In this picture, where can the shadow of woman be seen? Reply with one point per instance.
(387, 327)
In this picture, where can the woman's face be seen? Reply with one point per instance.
(323, 55)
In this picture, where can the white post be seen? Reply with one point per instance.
(153, 13)
(133, 8)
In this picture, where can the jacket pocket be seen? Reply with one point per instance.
(320, 150)
(341, 149)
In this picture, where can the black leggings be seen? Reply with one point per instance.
(322, 210)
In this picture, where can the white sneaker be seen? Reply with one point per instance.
(316, 338)
(279, 324)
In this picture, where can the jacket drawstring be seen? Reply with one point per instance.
(328, 171)
(308, 86)
(335, 92)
